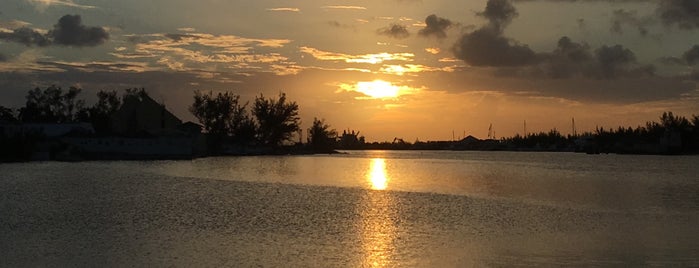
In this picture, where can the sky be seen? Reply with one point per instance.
(412, 69)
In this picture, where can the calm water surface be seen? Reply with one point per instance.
(360, 209)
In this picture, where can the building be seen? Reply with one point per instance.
(139, 113)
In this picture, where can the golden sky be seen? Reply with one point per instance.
(389, 68)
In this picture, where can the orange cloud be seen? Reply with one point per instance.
(364, 58)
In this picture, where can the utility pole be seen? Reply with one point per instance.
(525, 128)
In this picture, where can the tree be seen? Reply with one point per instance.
(51, 105)
(320, 137)
(351, 140)
(100, 114)
(223, 116)
(7, 114)
(277, 119)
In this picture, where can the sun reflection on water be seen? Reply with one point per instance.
(379, 230)
(377, 174)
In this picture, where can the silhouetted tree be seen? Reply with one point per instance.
(320, 137)
(351, 140)
(277, 119)
(100, 114)
(51, 105)
(223, 117)
(215, 113)
(670, 121)
(7, 114)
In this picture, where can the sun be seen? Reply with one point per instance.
(378, 89)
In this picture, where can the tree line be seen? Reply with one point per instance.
(273, 123)
(269, 123)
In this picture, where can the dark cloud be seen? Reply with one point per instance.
(572, 51)
(572, 1)
(178, 37)
(340, 25)
(71, 32)
(612, 59)
(683, 13)
(694, 75)
(500, 13)
(621, 17)
(672, 61)
(395, 31)
(568, 59)
(435, 26)
(571, 59)
(487, 47)
(26, 36)
(623, 90)
(692, 55)
(3, 58)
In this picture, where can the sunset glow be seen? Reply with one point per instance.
(387, 68)
(392, 133)
(379, 89)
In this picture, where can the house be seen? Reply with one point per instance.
(139, 113)
(144, 129)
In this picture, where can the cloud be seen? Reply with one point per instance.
(620, 17)
(487, 47)
(682, 13)
(43, 4)
(71, 32)
(286, 9)
(13, 24)
(337, 24)
(622, 90)
(691, 56)
(612, 59)
(435, 26)
(26, 36)
(344, 7)
(500, 13)
(365, 58)
(3, 58)
(568, 59)
(578, 60)
(394, 30)
(412, 68)
(432, 50)
(573, 1)
(191, 51)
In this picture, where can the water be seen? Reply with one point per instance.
(360, 209)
